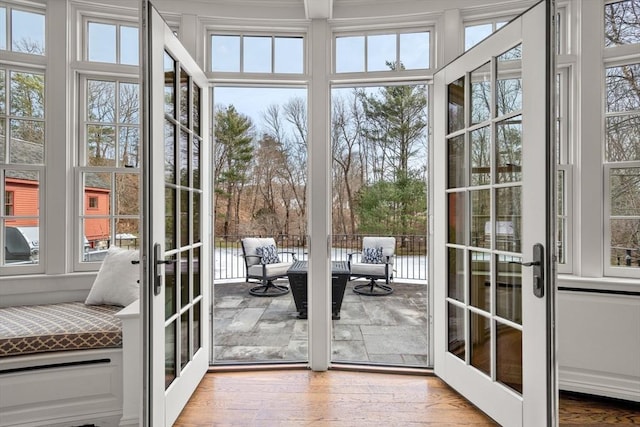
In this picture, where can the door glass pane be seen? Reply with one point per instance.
(183, 156)
(457, 218)
(169, 354)
(195, 162)
(455, 98)
(508, 219)
(185, 214)
(480, 280)
(509, 356)
(481, 156)
(480, 331)
(196, 327)
(456, 166)
(169, 152)
(197, 286)
(480, 216)
(184, 278)
(481, 94)
(196, 217)
(508, 288)
(170, 290)
(456, 274)
(509, 83)
(169, 219)
(169, 85)
(184, 98)
(195, 110)
(509, 149)
(456, 330)
(185, 335)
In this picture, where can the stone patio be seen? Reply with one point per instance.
(387, 330)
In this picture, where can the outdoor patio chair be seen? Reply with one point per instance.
(374, 262)
(263, 263)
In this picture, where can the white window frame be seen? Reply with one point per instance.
(386, 74)
(8, 269)
(614, 270)
(613, 56)
(84, 70)
(242, 32)
(82, 168)
(9, 6)
(87, 19)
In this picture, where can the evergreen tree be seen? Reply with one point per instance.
(233, 153)
(396, 124)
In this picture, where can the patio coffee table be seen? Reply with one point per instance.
(297, 275)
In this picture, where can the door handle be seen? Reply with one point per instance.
(538, 269)
(158, 260)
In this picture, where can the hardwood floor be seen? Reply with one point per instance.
(342, 398)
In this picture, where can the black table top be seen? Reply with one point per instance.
(337, 267)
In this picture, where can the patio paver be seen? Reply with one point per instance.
(388, 330)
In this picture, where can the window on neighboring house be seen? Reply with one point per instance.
(27, 30)
(9, 203)
(390, 52)
(622, 139)
(114, 43)
(93, 203)
(109, 173)
(244, 53)
(22, 147)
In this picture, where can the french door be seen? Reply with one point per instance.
(176, 219)
(493, 223)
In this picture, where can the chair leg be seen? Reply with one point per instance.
(268, 289)
(373, 288)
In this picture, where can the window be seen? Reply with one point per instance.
(564, 206)
(22, 143)
(109, 174)
(257, 54)
(622, 169)
(93, 203)
(112, 43)
(475, 33)
(622, 140)
(9, 203)
(621, 23)
(397, 51)
(27, 30)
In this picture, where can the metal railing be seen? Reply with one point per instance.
(410, 255)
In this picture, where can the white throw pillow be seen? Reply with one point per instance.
(117, 279)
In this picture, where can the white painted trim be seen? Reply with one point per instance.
(319, 220)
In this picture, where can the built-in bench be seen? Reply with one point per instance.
(64, 365)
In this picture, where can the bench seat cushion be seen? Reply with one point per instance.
(56, 327)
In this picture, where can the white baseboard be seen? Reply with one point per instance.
(599, 384)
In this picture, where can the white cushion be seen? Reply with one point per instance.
(117, 279)
(273, 270)
(368, 268)
(251, 245)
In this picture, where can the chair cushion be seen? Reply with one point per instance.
(372, 256)
(368, 270)
(273, 270)
(269, 254)
(250, 246)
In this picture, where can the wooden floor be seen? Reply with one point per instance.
(342, 398)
